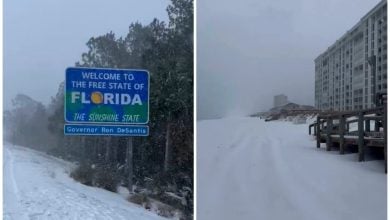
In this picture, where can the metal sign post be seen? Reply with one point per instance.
(130, 163)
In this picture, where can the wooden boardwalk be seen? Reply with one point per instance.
(334, 129)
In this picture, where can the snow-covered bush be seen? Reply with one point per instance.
(138, 198)
(107, 178)
(103, 176)
(84, 174)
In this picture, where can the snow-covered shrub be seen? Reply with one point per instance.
(167, 211)
(107, 178)
(138, 198)
(103, 176)
(84, 173)
(157, 206)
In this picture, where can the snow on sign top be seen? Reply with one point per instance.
(115, 96)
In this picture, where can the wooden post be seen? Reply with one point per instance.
(347, 127)
(367, 125)
(329, 124)
(318, 132)
(361, 137)
(341, 133)
(130, 164)
(376, 128)
(310, 129)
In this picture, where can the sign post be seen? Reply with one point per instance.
(130, 163)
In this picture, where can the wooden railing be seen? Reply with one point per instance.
(335, 127)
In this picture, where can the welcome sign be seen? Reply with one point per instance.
(106, 96)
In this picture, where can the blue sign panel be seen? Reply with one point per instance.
(111, 130)
(114, 96)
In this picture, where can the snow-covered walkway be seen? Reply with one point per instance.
(37, 186)
(251, 169)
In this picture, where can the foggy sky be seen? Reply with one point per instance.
(43, 37)
(250, 50)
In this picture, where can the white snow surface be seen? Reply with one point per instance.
(251, 169)
(38, 186)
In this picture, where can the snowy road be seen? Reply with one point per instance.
(251, 169)
(37, 186)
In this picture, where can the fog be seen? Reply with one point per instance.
(43, 37)
(248, 51)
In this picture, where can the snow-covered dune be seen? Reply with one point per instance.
(37, 186)
(251, 169)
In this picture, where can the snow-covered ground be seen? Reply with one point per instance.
(251, 169)
(37, 186)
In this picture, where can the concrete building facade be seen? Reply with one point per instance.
(350, 73)
(280, 100)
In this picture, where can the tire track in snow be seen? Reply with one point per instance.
(288, 166)
(292, 191)
(273, 171)
(241, 169)
(14, 198)
(11, 173)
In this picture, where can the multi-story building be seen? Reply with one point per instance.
(350, 73)
(280, 100)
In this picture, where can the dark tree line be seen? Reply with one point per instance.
(26, 123)
(161, 162)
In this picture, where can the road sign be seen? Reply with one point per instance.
(114, 96)
(111, 130)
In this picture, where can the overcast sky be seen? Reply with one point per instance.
(251, 50)
(43, 37)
